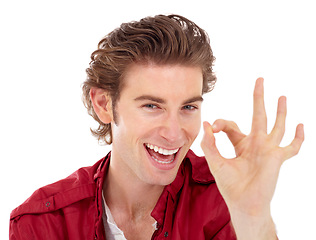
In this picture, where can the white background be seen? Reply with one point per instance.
(45, 47)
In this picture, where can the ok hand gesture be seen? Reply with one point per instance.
(247, 182)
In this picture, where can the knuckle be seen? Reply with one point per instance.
(279, 130)
(219, 121)
(233, 124)
(295, 150)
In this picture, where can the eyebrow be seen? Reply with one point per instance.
(162, 101)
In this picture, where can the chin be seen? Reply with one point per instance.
(164, 173)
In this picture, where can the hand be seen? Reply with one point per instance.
(247, 182)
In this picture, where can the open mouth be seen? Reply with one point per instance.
(161, 155)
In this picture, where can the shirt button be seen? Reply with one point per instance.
(166, 234)
(47, 204)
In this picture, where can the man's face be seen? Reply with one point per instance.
(158, 118)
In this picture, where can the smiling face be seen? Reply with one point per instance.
(158, 116)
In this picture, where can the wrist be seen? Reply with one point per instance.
(253, 225)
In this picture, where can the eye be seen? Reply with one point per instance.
(150, 106)
(189, 107)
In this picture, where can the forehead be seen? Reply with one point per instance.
(166, 81)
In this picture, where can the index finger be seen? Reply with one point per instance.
(230, 128)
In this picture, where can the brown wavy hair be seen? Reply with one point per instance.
(161, 39)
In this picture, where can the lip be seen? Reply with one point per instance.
(162, 166)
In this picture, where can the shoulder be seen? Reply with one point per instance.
(77, 186)
(60, 208)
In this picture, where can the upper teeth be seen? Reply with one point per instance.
(161, 150)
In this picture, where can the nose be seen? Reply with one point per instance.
(172, 128)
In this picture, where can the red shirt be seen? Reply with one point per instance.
(191, 207)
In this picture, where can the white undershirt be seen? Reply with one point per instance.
(112, 231)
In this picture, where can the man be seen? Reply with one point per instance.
(144, 87)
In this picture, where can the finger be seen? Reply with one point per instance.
(293, 149)
(259, 120)
(278, 130)
(209, 148)
(230, 128)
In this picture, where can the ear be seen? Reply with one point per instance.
(102, 104)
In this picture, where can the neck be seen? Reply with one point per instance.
(129, 195)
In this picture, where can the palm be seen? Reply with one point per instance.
(248, 181)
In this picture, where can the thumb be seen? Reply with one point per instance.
(212, 155)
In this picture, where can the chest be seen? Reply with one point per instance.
(141, 230)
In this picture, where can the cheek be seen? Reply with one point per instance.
(193, 125)
(129, 127)
(195, 129)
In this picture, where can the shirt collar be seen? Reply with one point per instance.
(192, 165)
(200, 170)
(102, 168)
(197, 167)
